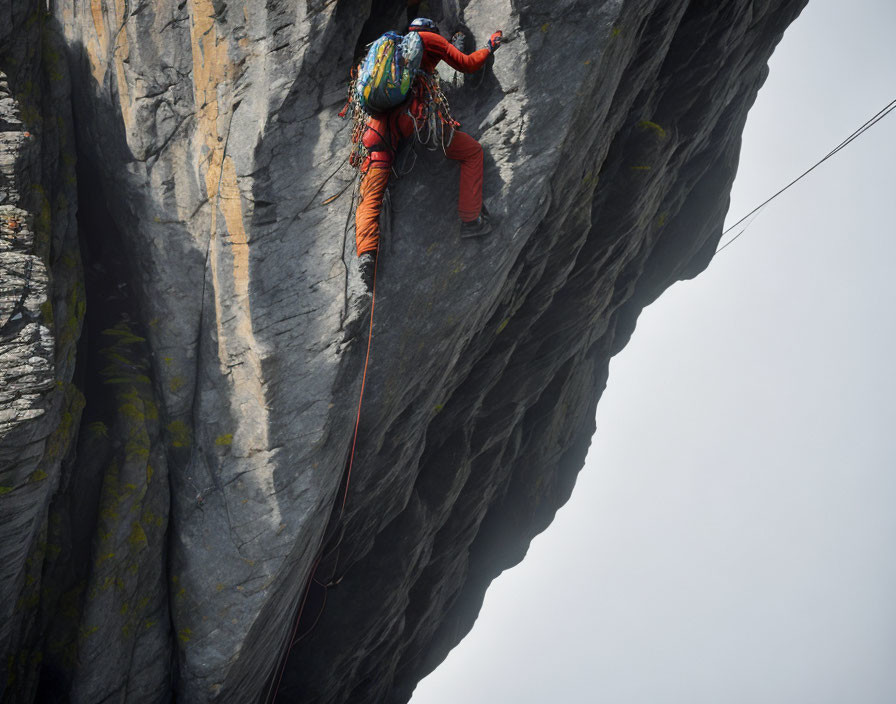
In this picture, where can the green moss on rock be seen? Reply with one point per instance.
(179, 433)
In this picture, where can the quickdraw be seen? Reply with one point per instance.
(359, 152)
(435, 127)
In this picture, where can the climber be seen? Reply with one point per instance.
(383, 132)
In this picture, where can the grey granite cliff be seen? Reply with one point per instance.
(172, 464)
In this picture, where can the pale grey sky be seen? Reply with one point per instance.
(732, 537)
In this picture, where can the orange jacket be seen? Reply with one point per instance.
(436, 48)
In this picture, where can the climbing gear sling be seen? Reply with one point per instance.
(434, 126)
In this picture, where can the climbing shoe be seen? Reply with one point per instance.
(478, 227)
(367, 267)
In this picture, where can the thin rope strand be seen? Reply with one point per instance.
(351, 461)
(292, 636)
(845, 143)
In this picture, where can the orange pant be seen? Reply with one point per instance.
(367, 215)
(463, 148)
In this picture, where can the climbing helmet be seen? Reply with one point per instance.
(423, 24)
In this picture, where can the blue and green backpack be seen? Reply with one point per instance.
(387, 72)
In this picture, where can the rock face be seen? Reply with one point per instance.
(41, 309)
(166, 554)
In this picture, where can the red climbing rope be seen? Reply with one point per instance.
(292, 636)
(351, 460)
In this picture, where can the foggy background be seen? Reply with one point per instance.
(732, 537)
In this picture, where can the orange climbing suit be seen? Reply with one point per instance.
(383, 133)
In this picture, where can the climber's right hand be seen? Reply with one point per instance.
(495, 41)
